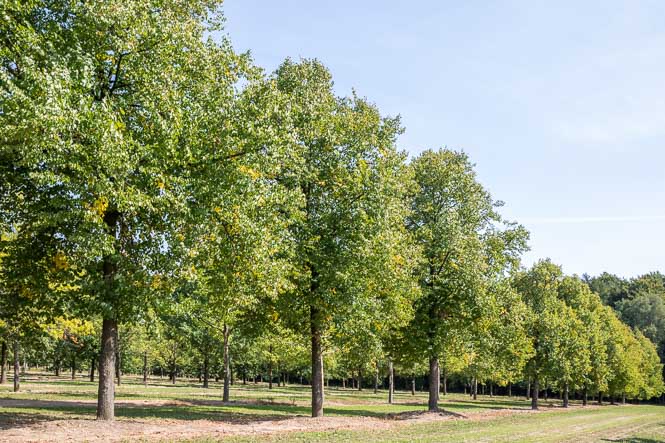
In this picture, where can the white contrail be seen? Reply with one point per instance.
(608, 219)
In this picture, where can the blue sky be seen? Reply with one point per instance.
(561, 105)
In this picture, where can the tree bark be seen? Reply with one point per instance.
(376, 379)
(118, 371)
(623, 398)
(534, 394)
(444, 384)
(106, 392)
(434, 377)
(391, 382)
(270, 368)
(145, 368)
(17, 366)
(227, 366)
(585, 396)
(206, 370)
(73, 367)
(317, 363)
(3, 363)
(510, 389)
(360, 379)
(565, 395)
(474, 389)
(491, 387)
(600, 398)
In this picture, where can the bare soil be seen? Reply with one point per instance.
(36, 428)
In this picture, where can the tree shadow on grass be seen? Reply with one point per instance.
(635, 440)
(509, 405)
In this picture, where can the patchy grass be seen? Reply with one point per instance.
(59, 409)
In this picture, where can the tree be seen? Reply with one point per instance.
(98, 101)
(464, 242)
(350, 249)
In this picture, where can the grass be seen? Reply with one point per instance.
(46, 398)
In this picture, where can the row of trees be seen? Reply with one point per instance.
(155, 179)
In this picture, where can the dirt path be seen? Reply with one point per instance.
(47, 429)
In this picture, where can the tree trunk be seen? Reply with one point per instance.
(475, 389)
(270, 368)
(444, 384)
(73, 367)
(17, 367)
(534, 394)
(145, 368)
(92, 369)
(528, 389)
(376, 379)
(565, 395)
(510, 389)
(3, 363)
(360, 379)
(118, 372)
(206, 370)
(391, 382)
(317, 363)
(434, 377)
(585, 396)
(491, 390)
(227, 366)
(623, 398)
(600, 398)
(106, 392)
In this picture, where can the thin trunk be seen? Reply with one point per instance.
(565, 395)
(391, 382)
(92, 369)
(444, 384)
(270, 368)
(585, 396)
(343, 382)
(491, 390)
(17, 366)
(510, 389)
(534, 396)
(360, 379)
(413, 385)
(3, 363)
(623, 398)
(434, 377)
(227, 366)
(600, 398)
(376, 379)
(475, 389)
(57, 368)
(528, 389)
(118, 372)
(73, 367)
(106, 392)
(206, 370)
(317, 364)
(145, 368)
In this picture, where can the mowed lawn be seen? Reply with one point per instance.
(48, 408)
